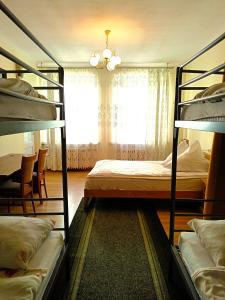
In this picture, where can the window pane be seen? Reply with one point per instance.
(130, 99)
(81, 98)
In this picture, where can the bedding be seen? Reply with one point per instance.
(20, 287)
(211, 110)
(33, 281)
(20, 239)
(208, 278)
(210, 283)
(13, 107)
(212, 235)
(192, 159)
(182, 146)
(139, 176)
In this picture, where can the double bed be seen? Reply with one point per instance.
(149, 179)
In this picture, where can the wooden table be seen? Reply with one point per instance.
(9, 164)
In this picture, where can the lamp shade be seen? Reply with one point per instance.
(94, 60)
(107, 53)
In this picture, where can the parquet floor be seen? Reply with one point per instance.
(76, 182)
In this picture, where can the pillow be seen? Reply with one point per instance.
(191, 160)
(20, 239)
(183, 145)
(212, 235)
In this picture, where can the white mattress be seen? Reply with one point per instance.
(46, 257)
(204, 111)
(193, 253)
(12, 108)
(139, 175)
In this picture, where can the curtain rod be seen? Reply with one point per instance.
(85, 65)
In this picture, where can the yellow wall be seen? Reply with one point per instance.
(212, 58)
(10, 143)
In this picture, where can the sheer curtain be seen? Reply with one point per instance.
(82, 98)
(113, 115)
(140, 106)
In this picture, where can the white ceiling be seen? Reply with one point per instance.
(143, 31)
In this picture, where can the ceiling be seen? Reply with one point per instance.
(142, 31)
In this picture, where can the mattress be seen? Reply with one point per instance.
(204, 111)
(193, 253)
(212, 109)
(140, 175)
(14, 107)
(46, 258)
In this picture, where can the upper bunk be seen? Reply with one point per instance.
(22, 108)
(206, 110)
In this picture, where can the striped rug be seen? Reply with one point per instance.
(116, 256)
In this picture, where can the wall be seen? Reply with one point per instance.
(212, 58)
(11, 143)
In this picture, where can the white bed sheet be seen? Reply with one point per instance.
(140, 175)
(193, 253)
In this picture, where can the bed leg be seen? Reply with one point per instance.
(87, 201)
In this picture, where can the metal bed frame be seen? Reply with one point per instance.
(12, 127)
(212, 126)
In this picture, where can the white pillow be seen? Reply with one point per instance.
(191, 160)
(183, 145)
(212, 235)
(20, 238)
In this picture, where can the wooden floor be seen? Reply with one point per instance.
(76, 182)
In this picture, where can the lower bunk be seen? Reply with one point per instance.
(31, 255)
(201, 258)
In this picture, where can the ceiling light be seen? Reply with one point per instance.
(110, 61)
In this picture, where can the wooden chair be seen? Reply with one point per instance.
(39, 173)
(23, 186)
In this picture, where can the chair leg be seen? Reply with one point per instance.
(40, 191)
(45, 188)
(24, 206)
(33, 206)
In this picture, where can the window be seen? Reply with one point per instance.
(81, 98)
(130, 97)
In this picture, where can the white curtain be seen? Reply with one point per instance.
(113, 115)
(140, 102)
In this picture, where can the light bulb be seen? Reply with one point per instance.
(110, 66)
(107, 53)
(118, 60)
(94, 60)
(113, 60)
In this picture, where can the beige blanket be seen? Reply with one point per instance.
(210, 283)
(20, 285)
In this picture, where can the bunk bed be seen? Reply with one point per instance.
(202, 270)
(43, 258)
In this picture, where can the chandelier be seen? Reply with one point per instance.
(110, 59)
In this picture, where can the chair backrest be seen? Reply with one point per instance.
(27, 167)
(42, 159)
